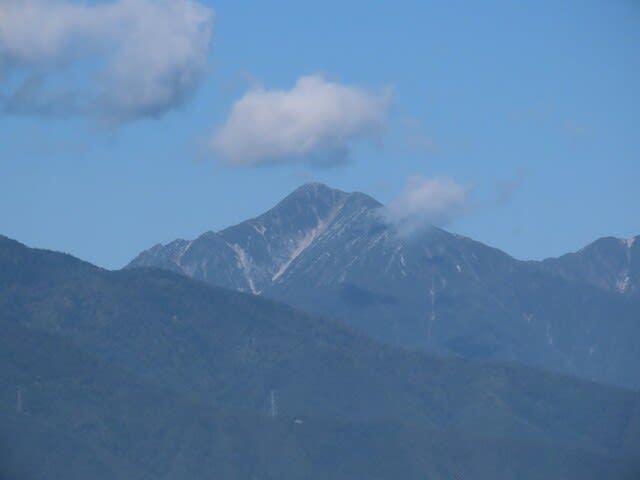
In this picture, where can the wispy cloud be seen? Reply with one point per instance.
(507, 188)
(577, 132)
(315, 121)
(427, 202)
(537, 113)
(32, 95)
(416, 139)
(125, 59)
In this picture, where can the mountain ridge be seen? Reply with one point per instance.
(333, 254)
(156, 375)
(82, 418)
(112, 314)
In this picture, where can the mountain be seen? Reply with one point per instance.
(78, 417)
(611, 264)
(144, 373)
(254, 255)
(332, 254)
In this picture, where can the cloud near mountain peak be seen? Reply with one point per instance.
(427, 202)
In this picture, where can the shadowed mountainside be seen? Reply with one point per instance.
(172, 347)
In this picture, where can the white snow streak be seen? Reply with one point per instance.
(185, 249)
(432, 315)
(245, 264)
(623, 283)
(301, 247)
(307, 240)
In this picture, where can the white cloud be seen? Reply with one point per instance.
(426, 202)
(315, 121)
(136, 57)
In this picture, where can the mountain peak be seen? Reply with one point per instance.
(608, 263)
(609, 243)
(314, 191)
(319, 192)
(314, 187)
(311, 199)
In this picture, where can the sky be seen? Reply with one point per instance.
(127, 123)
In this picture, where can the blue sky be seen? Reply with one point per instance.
(534, 110)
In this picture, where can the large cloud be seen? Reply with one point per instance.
(314, 121)
(125, 58)
(426, 202)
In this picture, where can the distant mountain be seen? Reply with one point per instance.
(611, 264)
(330, 253)
(155, 375)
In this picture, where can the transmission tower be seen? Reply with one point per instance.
(273, 404)
(19, 400)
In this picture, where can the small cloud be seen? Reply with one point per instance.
(126, 59)
(421, 143)
(539, 112)
(415, 137)
(517, 230)
(316, 121)
(577, 132)
(427, 202)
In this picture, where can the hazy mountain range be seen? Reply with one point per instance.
(148, 374)
(333, 254)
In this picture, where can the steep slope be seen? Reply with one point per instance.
(218, 347)
(433, 291)
(77, 417)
